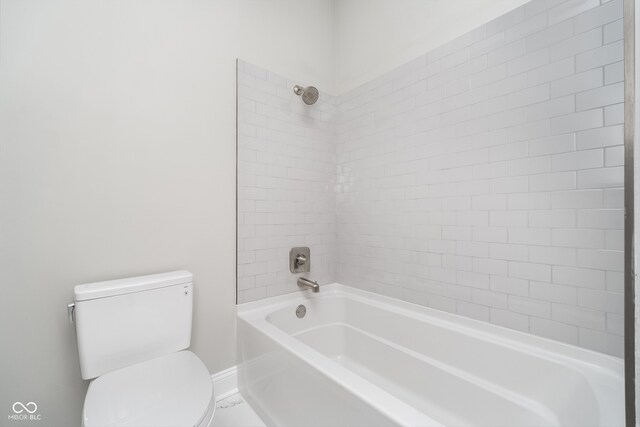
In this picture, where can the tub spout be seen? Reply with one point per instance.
(308, 284)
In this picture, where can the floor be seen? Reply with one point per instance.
(235, 412)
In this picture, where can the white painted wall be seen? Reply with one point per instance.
(375, 36)
(117, 158)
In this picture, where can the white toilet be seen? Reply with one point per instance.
(132, 336)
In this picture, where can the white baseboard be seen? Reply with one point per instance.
(225, 383)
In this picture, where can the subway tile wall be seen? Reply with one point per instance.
(485, 177)
(286, 183)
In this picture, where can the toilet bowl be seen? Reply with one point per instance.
(172, 390)
(132, 340)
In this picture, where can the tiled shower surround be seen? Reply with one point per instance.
(483, 178)
(286, 183)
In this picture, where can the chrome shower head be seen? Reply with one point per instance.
(309, 94)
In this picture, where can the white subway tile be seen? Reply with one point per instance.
(474, 249)
(532, 307)
(553, 108)
(554, 34)
(528, 96)
(509, 252)
(530, 236)
(601, 178)
(508, 218)
(271, 206)
(581, 277)
(615, 324)
(489, 298)
(514, 150)
(600, 137)
(577, 160)
(490, 234)
(614, 198)
(512, 184)
(491, 42)
(552, 144)
(577, 121)
(528, 62)
(473, 279)
(614, 73)
(472, 218)
(601, 259)
(474, 311)
(611, 302)
(615, 281)
(577, 199)
(505, 21)
(576, 44)
(611, 219)
(530, 271)
(614, 115)
(576, 83)
(553, 181)
(552, 255)
(553, 292)
(577, 316)
(604, 55)
(538, 6)
(457, 262)
(578, 238)
(569, 9)
(507, 85)
(509, 319)
(613, 31)
(529, 201)
(494, 75)
(554, 218)
(490, 266)
(526, 27)
(456, 233)
(600, 97)
(551, 72)
(554, 330)
(530, 165)
(510, 285)
(489, 202)
(598, 16)
(245, 283)
(456, 180)
(601, 341)
(456, 292)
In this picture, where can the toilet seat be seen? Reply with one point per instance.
(168, 391)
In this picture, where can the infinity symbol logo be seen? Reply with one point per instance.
(30, 407)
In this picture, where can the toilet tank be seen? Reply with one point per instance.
(127, 321)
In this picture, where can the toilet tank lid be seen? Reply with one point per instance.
(109, 288)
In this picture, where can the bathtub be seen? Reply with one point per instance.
(362, 359)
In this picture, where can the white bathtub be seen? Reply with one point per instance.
(359, 358)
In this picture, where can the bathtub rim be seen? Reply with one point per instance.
(256, 314)
(539, 345)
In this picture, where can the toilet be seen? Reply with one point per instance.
(132, 339)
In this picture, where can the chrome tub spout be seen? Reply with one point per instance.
(308, 284)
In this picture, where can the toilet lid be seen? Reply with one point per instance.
(172, 390)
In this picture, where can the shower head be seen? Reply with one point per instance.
(309, 94)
